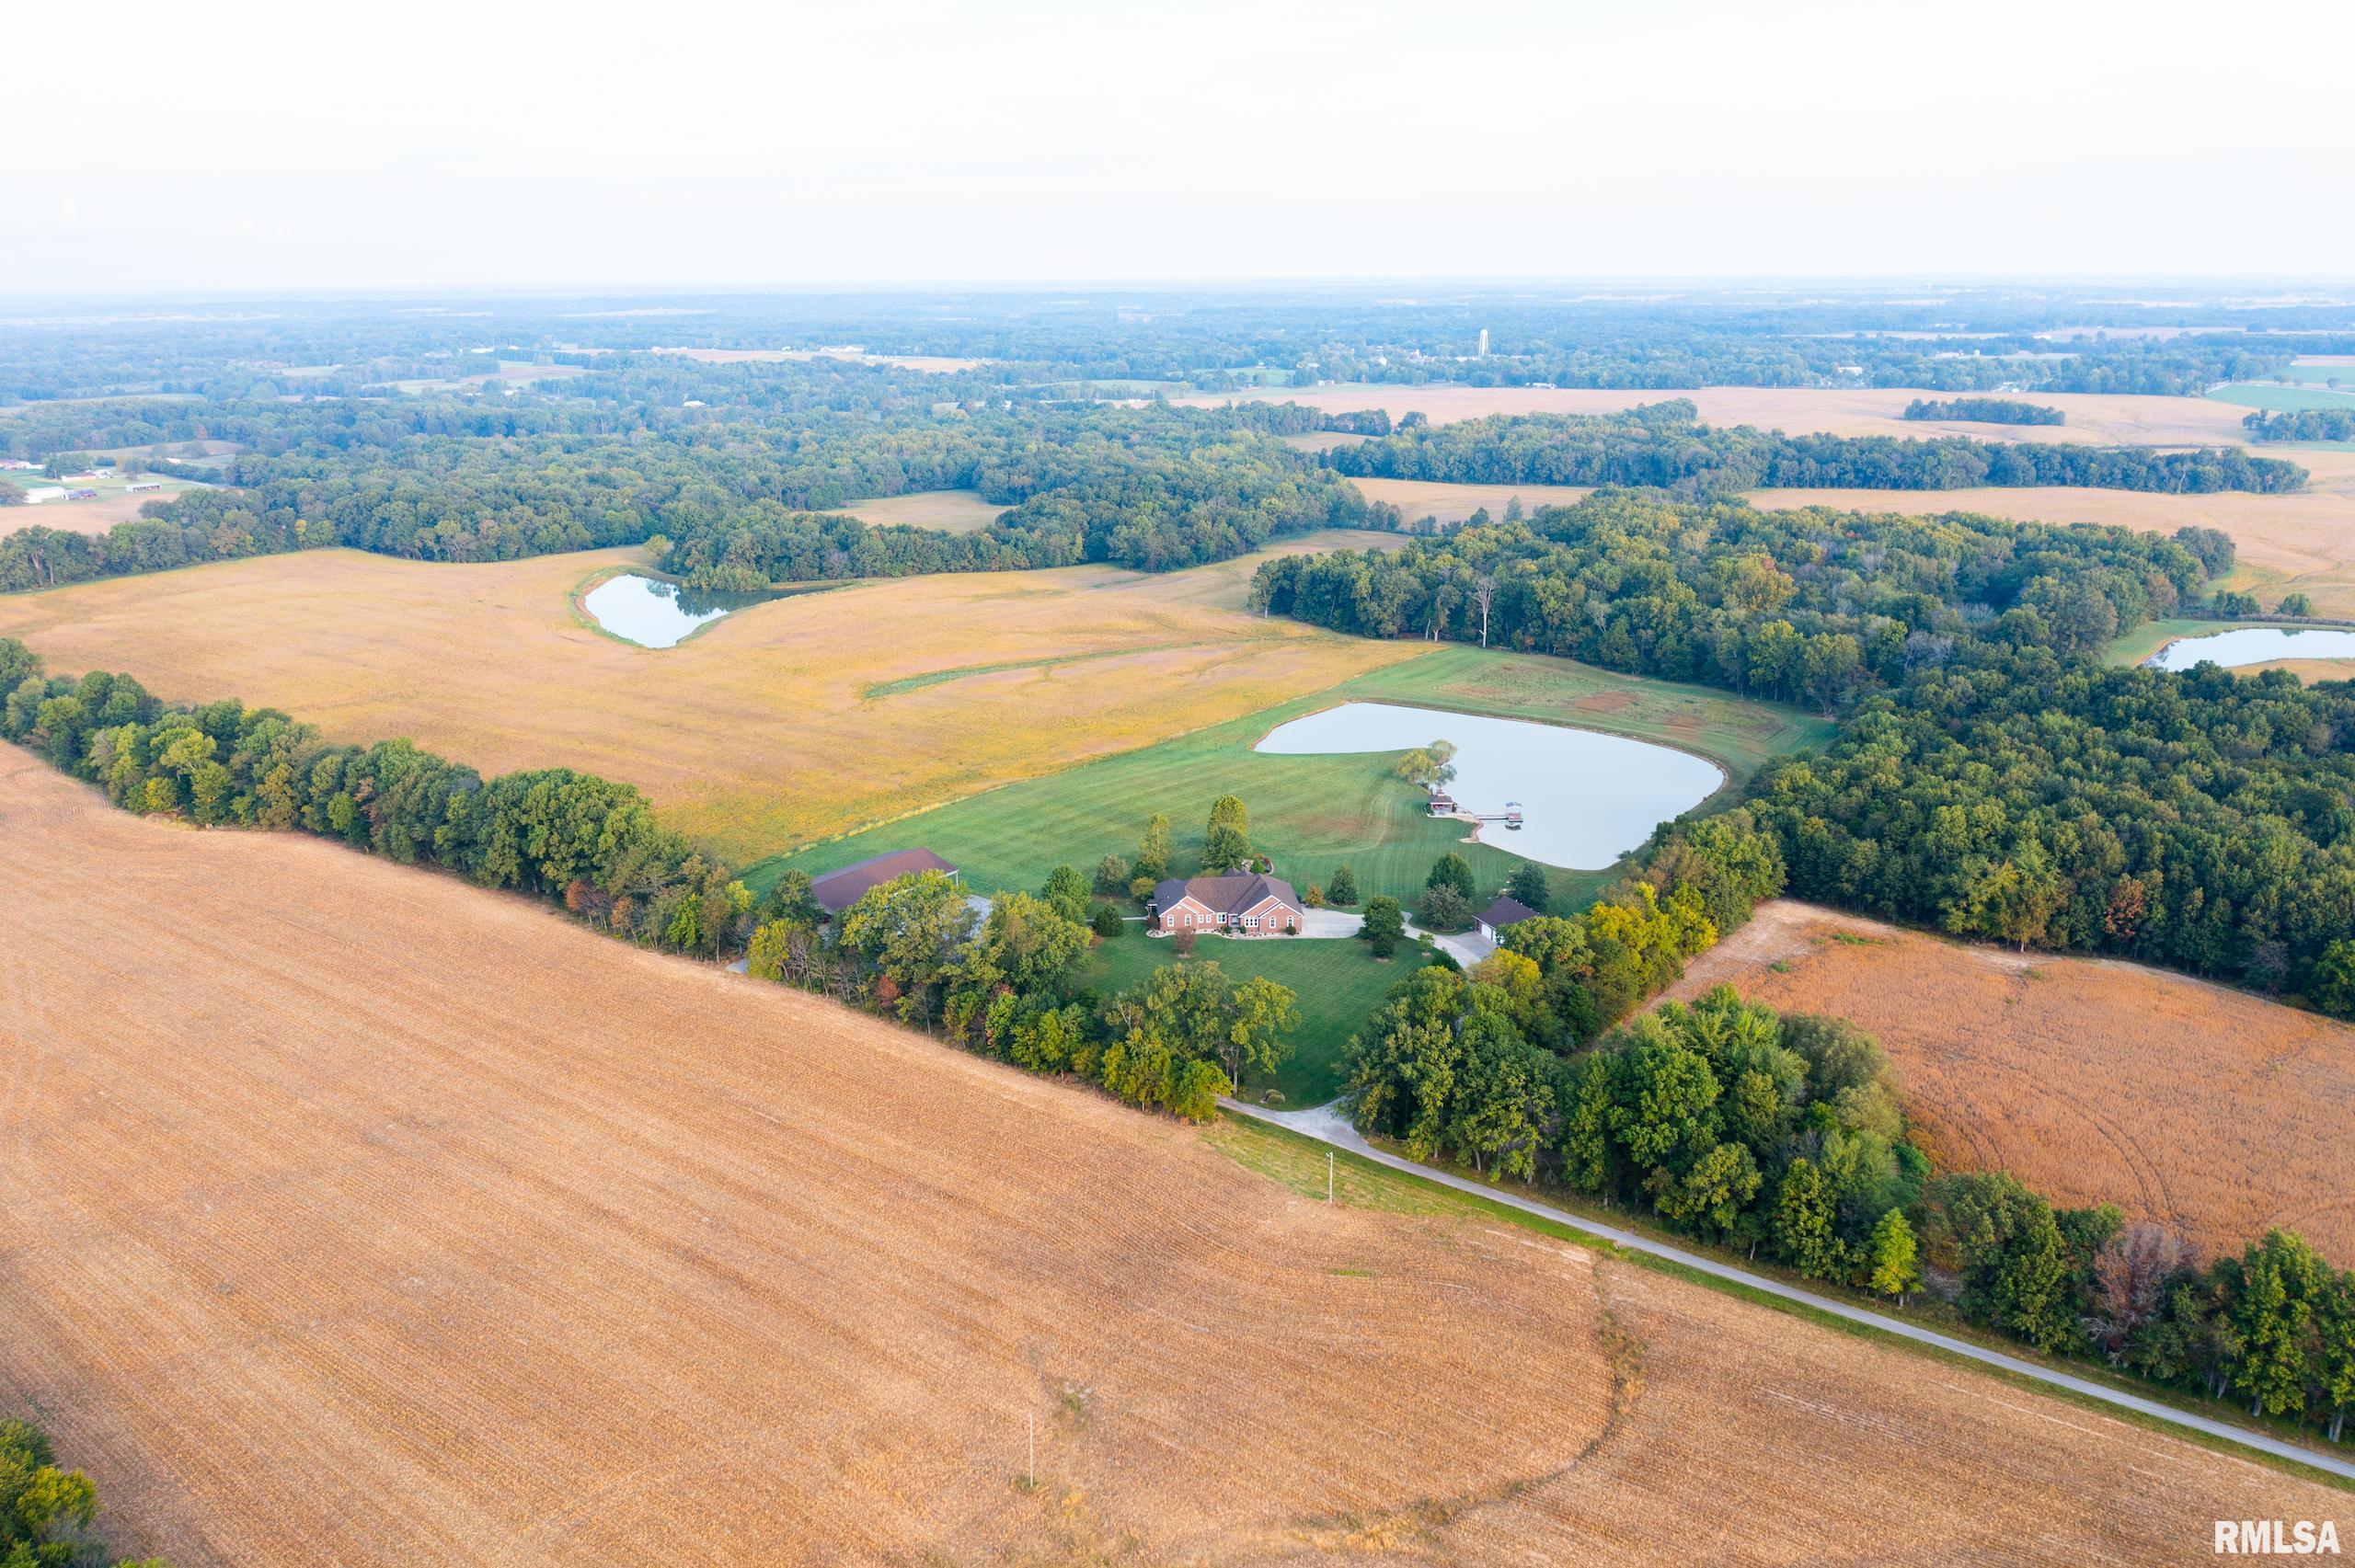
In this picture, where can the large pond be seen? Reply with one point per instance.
(654, 613)
(2257, 645)
(1585, 799)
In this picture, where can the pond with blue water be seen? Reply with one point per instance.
(1585, 799)
(655, 613)
(2257, 645)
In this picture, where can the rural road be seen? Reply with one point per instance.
(1326, 1125)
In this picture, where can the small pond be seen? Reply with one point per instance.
(1585, 799)
(654, 613)
(2257, 645)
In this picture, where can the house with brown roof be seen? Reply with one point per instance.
(838, 890)
(1248, 904)
(1507, 910)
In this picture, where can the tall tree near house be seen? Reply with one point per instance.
(1452, 870)
(1153, 850)
(1528, 886)
(1342, 891)
(1226, 846)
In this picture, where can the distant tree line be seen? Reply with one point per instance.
(1986, 411)
(1149, 489)
(1663, 445)
(2303, 424)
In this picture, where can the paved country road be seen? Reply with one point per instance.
(1326, 1125)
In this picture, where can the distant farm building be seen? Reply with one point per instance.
(838, 890)
(1248, 902)
(39, 493)
(1443, 804)
(1506, 911)
(138, 486)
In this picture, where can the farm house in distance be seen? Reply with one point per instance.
(1249, 902)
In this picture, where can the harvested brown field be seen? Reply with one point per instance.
(780, 724)
(1839, 411)
(950, 511)
(111, 505)
(358, 1216)
(2207, 1110)
(2304, 541)
(1420, 498)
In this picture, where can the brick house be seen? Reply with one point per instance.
(1249, 904)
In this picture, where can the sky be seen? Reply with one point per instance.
(371, 147)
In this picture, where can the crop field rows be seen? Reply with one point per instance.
(535, 1240)
(2216, 1112)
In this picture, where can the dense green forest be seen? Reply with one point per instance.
(1994, 778)
(2201, 821)
(1663, 445)
(1986, 410)
(1149, 488)
(2302, 425)
(1809, 605)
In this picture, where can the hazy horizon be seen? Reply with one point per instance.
(1046, 143)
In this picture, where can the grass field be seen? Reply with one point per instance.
(949, 511)
(1420, 498)
(1340, 983)
(1312, 814)
(482, 1238)
(2268, 395)
(781, 725)
(2211, 1111)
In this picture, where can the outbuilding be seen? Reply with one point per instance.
(1506, 911)
(838, 890)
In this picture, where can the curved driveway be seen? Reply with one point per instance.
(1326, 1125)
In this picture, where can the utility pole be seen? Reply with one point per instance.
(1329, 1175)
(1034, 1450)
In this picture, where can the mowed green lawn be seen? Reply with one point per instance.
(1314, 814)
(2265, 394)
(1340, 983)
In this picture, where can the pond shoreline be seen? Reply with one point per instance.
(2289, 632)
(1595, 796)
